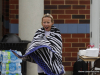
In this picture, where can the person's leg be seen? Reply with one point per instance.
(41, 74)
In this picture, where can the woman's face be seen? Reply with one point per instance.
(46, 23)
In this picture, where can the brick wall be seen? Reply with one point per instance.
(13, 16)
(13, 11)
(71, 44)
(70, 12)
(10, 14)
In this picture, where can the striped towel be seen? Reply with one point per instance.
(46, 51)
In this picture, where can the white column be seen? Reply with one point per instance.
(0, 19)
(95, 22)
(30, 17)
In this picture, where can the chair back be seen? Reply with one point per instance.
(97, 63)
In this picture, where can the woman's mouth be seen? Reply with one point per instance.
(46, 28)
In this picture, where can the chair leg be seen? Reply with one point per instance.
(92, 69)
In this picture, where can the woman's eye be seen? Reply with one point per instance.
(44, 22)
(48, 22)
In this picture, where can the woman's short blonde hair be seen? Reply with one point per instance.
(48, 15)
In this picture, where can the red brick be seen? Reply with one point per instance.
(57, 11)
(63, 40)
(84, 40)
(78, 44)
(66, 35)
(66, 54)
(73, 63)
(71, 49)
(12, 6)
(57, 2)
(12, 16)
(66, 63)
(87, 16)
(78, 6)
(63, 49)
(17, 6)
(15, 21)
(74, 54)
(70, 58)
(83, 48)
(71, 40)
(84, 11)
(66, 44)
(64, 7)
(64, 16)
(50, 6)
(87, 21)
(87, 35)
(87, 44)
(13, 1)
(47, 11)
(71, 11)
(63, 59)
(54, 16)
(78, 35)
(71, 2)
(78, 16)
(59, 21)
(71, 21)
(46, 2)
(68, 68)
(13, 11)
(84, 2)
(88, 7)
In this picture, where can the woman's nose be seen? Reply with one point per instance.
(46, 24)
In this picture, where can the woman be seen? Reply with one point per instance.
(46, 48)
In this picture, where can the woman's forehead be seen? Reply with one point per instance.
(46, 19)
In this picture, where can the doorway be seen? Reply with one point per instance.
(0, 19)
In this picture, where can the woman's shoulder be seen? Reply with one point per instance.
(40, 30)
(55, 29)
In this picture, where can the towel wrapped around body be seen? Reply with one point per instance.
(46, 51)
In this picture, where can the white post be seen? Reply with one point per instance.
(94, 22)
(30, 17)
(99, 23)
(0, 19)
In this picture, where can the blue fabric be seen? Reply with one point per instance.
(38, 60)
